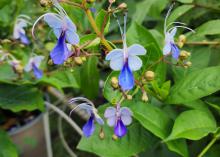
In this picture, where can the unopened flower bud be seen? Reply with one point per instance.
(180, 44)
(114, 137)
(144, 97)
(69, 60)
(111, 1)
(50, 62)
(45, 3)
(114, 82)
(78, 60)
(188, 64)
(182, 38)
(122, 6)
(129, 97)
(188, 54)
(6, 41)
(83, 58)
(149, 75)
(101, 134)
(183, 55)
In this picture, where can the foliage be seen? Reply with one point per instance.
(173, 111)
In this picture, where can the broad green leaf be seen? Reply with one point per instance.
(193, 125)
(111, 94)
(103, 21)
(89, 76)
(136, 140)
(18, 98)
(178, 12)
(7, 75)
(137, 34)
(209, 28)
(195, 85)
(62, 79)
(7, 148)
(148, 7)
(152, 118)
(158, 123)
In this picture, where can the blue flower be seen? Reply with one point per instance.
(126, 60)
(89, 127)
(170, 46)
(34, 64)
(19, 32)
(118, 117)
(64, 29)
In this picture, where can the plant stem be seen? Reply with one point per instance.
(215, 138)
(97, 31)
(203, 43)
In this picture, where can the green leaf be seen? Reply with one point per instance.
(7, 148)
(195, 85)
(158, 123)
(178, 12)
(89, 76)
(185, 1)
(111, 94)
(18, 98)
(103, 21)
(137, 34)
(7, 75)
(193, 125)
(135, 141)
(209, 28)
(62, 79)
(151, 8)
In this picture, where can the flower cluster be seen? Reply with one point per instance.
(117, 117)
(126, 60)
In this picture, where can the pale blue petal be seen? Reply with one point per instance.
(134, 63)
(53, 21)
(111, 121)
(173, 32)
(117, 63)
(175, 51)
(70, 25)
(72, 37)
(126, 114)
(167, 49)
(116, 53)
(110, 112)
(37, 60)
(57, 32)
(136, 49)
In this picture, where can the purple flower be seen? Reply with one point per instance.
(89, 127)
(126, 60)
(19, 32)
(118, 117)
(64, 29)
(34, 64)
(170, 46)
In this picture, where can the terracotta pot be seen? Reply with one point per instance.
(30, 139)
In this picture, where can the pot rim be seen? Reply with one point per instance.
(26, 126)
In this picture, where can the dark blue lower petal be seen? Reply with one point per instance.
(24, 39)
(89, 127)
(37, 72)
(175, 51)
(126, 78)
(60, 52)
(120, 129)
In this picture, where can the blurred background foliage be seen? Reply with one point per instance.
(156, 122)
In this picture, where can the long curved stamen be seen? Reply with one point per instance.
(33, 28)
(73, 100)
(61, 11)
(181, 27)
(82, 104)
(24, 16)
(172, 23)
(119, 25)
(167, 15)
(124, 37)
